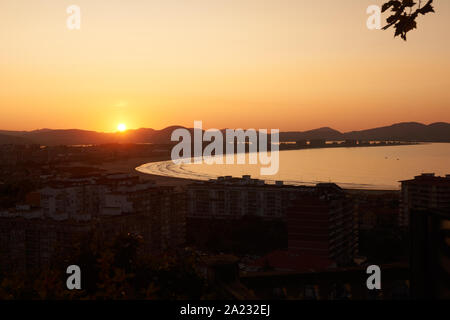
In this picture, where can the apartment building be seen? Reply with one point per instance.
(426, 191)
(234, 198)
(425, 209)
(322, 223)
(60, 215)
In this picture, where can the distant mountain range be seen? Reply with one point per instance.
(406, 131)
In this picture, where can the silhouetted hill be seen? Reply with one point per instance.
(321, 133)
(83, 137)
(408, 131)
(63, 137)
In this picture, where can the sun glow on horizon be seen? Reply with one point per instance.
(121, 127)
(290, 65)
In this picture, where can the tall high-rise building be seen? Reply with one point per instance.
(426, 208)
(322, 223)
(426, 191)
(321, 220)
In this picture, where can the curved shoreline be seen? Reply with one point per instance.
(130, 165)
(353, 176)
(164, 169)
(164, 172)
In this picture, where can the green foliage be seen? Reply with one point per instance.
(404, 15)
(118, 270)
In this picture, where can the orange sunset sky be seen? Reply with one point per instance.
(292, 65)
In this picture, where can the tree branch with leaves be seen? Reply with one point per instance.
(404, 15)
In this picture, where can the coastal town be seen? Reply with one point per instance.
(217, 159)
(249, 238)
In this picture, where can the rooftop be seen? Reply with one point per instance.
(246, 180)
(429, 178)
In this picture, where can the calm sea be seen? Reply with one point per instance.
(352, 168)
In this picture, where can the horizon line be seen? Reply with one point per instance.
(181, 126)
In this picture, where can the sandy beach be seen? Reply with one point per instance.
(130, 165)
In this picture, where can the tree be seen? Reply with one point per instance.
(114, 270)
(404, 15)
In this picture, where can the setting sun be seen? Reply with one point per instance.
(121, 127)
